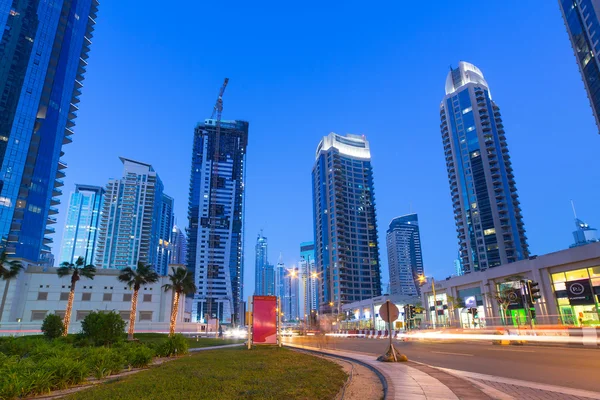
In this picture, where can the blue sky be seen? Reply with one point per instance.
(301, 70)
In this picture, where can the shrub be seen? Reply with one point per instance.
(139, 356)
(103, 361)
(173, 346)
(103, 328)
(65, 371)
(53, 327)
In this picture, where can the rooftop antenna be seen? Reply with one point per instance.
(573, 206)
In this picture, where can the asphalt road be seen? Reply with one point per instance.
(577, 368)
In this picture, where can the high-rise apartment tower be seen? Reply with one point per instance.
(216, 243)
(131, 223)
(346, 242)
(482, 184)
(581, 19)
(44, 50)
(405, 260)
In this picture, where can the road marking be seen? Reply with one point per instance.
(515, 350)
(453, 354)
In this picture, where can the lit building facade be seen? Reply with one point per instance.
(216, 220)
(582, 22)
(261, 260)
(81, 225)
(290, 302)
(405, 260)
(346, 241)
(130, 223)
(280, 272)
(43, 58)
(178, 246)
(486, 206)
(584, 234)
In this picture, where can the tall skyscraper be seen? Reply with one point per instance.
(178, 246)
(81, 225)
(261, 260)
(309, 299)
(581, 20)
(290, 302)
(131, 221)
(43, 53)
(482, 185)
(269, 280)
(404, 255)
(165, 231)
(346, 242)
(216, 220)
(280, 272)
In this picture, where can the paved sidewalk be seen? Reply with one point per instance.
(409, 383)
(509, 389)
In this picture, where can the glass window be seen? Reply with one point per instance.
(577, 274)
(594, 272)
(560, 277)
(560, 286)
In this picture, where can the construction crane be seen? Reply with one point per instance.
(212, 271)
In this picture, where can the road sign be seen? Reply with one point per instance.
(389, 312)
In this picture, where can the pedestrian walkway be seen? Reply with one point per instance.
(509, 389)
(409, 383)
(193, 350)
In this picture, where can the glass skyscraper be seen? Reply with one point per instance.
(178, 246)
(346, 241)
(216, 220)
(132, 223)
(43, 59)
(81, 225)
(405, 260)
(309, 299)
(166, 220)
(261, 260)
(482, 185)
(581, 20)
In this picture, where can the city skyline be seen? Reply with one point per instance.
(544, 234)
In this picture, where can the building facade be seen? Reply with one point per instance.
(486, 206)
(261, 260)
(309, 297)
(43, 57)
(216, 220)
(38, 292)
(166, 220)
(178, 246)
(405, 259)
(280, 272)
(581, 19)
(81, 225)
(569, 283)
(346, 241)
(130, 224)
(584, 234)
(290, 302)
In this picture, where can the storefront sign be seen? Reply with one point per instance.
(264, 320)
(580, 292)
(471, 302)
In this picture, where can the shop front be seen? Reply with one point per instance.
(577, 294)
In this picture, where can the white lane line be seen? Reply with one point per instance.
(515, 350)
(452, 354)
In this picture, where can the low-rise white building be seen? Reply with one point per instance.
(364, 314)
(38, 291)
(569, 284)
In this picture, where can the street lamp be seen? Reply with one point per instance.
(422, 280)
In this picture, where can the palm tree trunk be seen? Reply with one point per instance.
(4, 295)
(174, 313)
(134, 299)
(67, 320)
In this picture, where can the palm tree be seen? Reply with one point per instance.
(76, 271)
(8, 270)
(136, 278)
(181, 283)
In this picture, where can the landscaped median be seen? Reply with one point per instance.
(233, 373)
(34, 365)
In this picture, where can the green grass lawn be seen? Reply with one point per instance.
(261, 373)
(193, 343)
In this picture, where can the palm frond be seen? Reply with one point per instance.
(13, 271)
(89, 271)
(64, 270)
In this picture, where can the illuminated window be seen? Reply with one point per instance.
(473, 205)
(471, 128)
(466, 110)
(489, 231)
(577, 274)
(560, 277)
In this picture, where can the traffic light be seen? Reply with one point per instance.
(533, 293)
(412, 311)
(474, 312)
